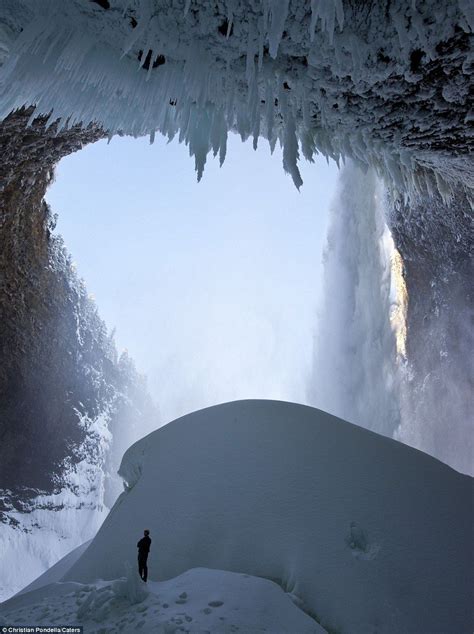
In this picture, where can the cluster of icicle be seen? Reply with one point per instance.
(197, 70)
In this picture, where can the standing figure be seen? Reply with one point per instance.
(143, 546)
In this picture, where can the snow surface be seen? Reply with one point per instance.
(199, 601)
(322, 76)
(371, 535)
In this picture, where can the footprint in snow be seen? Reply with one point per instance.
(215, 604)
(358, 541)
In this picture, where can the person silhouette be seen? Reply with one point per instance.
(143, 546)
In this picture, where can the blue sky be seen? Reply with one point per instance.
(212, 286)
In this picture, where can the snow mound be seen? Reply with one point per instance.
(197, 601)
(370, 534)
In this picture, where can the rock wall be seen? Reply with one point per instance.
(435, 241)
(59, 366)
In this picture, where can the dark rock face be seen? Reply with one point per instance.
(59, 365)
(435, 241)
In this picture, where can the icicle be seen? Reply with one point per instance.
(230, 15)
(215, 133)
(254, 105)
(339, 13)
(290, 152)
(314, 18)
(261, 37)
(278, 15)
(265, 10)
(250, 59)
(269, 111)
(307, 146)
(306, 112)
(444, 189)
(327, 11)
(223, 144)
(199, 133)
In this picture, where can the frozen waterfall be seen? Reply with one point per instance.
(362, 370)
(355, 363)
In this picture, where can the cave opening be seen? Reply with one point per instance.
(202, 282)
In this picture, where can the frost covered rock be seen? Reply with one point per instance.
(369, 534)
(435, 241)
(384, 83)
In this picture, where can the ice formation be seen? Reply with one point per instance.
(366, 533)
(355, 370)
(385, 84)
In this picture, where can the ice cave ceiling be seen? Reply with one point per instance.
(384, 83)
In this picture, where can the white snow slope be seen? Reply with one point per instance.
(371, 535)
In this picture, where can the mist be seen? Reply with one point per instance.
(212, 287)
